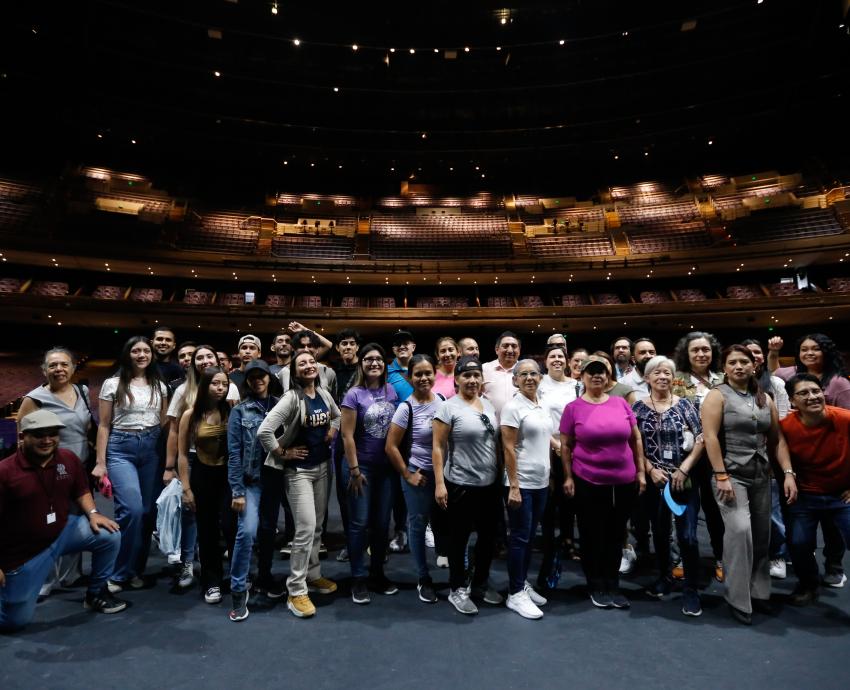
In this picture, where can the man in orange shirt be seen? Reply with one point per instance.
(818, 437)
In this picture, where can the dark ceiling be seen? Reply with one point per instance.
(636, 91)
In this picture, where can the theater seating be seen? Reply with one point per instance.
(110, 292)
(690, 295)
(607, 298)
(146, 295)
(784, 289)
(10, 285)
(306, 246)
(467, 235)
(231, 299)
(569, 245)
(442, 303)
(308, 301)
(838, 284)
(384, 302)
(743, 292)
(220, 232)
(277, 301)
(531, 301)
(500, 302)
(574, 300)
(196, 297)
(783, 224)
(354, 303)
(653, 297)
(49, 289)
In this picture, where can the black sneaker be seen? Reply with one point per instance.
(619, 600)
(691, 605)
(803, 596)
(602, 600)
(742, 617)
(427, 592)
(103, 602)
(660, 588)
(272, 588)
(360, 593)
(239, 611)
(384, 586)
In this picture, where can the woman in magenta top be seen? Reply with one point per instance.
(444, 381)
(602, 453)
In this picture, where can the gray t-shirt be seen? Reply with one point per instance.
(423, 414)
(471, 458)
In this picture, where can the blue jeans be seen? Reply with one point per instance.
(258, 521)
(369, 519)
(778, 548)
(19, 596)
(132, 463)
(805, 514)
(686, 532)
(523, 521)
(420, 506)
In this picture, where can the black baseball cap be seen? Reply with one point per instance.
(402, 336)
(468, 363)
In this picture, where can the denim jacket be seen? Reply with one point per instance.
(245, 454)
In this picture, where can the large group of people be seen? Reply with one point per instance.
(626, 445)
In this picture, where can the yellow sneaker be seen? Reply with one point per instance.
(719, 575)
(678, 572)
(301, 606)
(322, 585)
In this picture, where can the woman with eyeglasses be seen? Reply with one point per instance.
(602, 453)
(741, 429)
(526, 427)
(367, 410)
(466, 466)
(672, 444)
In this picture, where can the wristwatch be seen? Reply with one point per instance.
(93, 511)
(791, 472)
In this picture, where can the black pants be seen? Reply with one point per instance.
(560, 512)
(215, 518)
(471, 509)
(602, 512)
(713, 519)
(270, 499)
(399, 505)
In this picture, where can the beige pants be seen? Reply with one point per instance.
(307, 493)
(746, 561)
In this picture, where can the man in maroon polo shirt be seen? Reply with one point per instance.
(37, 485)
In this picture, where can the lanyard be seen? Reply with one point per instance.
(43, 483)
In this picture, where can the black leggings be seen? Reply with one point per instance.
(215, 517)
(471, 509)
(602, 512)
(560, 511)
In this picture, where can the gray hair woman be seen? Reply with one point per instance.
(672, 445)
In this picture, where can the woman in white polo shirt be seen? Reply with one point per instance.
(526, 432)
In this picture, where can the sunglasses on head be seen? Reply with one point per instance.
(487, 423)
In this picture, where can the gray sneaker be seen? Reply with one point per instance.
(186, 576)
(488, 595)
(459, 598)
(835, 578)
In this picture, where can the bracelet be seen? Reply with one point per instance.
(170, 469)
(351, 469)
(791, 472)
(679, 469)
(721, 477)
(720, 471)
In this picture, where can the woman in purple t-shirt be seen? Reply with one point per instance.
(602, 453)
(367, 410)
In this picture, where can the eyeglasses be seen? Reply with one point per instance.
(373, 360)
(487, 424)
(809, 393)
(527, 375)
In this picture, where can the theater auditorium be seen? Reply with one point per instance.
(374, 345)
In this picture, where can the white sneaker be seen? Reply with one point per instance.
(777, 568)
(442, 561)
(46, 589)
(429, 537)
(536, 599)
(627, 562)
(186, 576)
(522, 604)
(213, 595)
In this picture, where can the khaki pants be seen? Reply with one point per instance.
(746, 540)
(307, 492)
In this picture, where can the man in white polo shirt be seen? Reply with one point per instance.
(644, 350)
